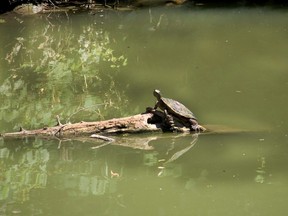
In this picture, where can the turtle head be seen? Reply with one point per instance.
(157, 94)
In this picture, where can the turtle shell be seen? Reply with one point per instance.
(177, 108)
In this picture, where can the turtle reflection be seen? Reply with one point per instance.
(173, 153)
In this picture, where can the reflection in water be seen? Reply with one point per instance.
(229, 65)
(57, 70)
(79, 170)
(22, 172)
(260, 177)
(173, 154)
(38, 175)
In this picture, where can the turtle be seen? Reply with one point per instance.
(176, 109)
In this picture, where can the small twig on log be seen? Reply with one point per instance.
(58, 121)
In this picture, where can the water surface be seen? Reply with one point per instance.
(228, 65)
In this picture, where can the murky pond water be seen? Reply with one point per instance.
(228, 65)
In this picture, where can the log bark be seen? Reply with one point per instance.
(133, 124)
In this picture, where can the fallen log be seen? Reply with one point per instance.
(150, 121)
(132, 124)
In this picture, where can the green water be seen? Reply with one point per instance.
(228, 65)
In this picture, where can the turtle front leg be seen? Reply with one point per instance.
(169, 121)
(156, 105)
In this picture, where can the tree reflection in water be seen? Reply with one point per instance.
(58, 69)
(77, 170)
